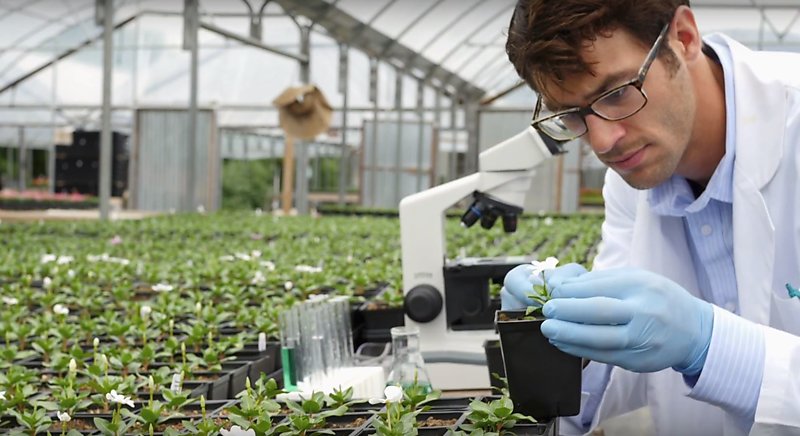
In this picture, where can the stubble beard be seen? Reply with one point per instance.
(664, 156)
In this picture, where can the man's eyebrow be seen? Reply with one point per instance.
(611, 81)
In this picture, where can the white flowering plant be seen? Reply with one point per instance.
(540, 293)
(308, 415)
(117, 425)
(256, 407)
(399, 418)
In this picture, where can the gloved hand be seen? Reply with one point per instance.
(631, 318)
(519, 282)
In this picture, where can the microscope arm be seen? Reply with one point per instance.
(505, 177)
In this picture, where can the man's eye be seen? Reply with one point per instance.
(615, 96)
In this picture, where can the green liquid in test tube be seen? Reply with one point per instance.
(287, 360)
(289, 337)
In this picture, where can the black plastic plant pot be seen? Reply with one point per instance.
(543, 381)
(494, 361)
(378, 322)
(438, 422)
(347, 423)
(533, 429)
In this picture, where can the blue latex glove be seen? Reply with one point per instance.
(519, 282)
(631, 318)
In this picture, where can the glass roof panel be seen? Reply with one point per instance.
(489, 14)
(363, 10)
(150, 67)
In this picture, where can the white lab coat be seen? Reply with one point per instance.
(766, 238)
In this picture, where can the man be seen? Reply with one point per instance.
(686, 309)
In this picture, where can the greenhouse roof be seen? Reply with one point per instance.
(456, 46)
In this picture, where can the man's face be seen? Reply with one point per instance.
(648, 147)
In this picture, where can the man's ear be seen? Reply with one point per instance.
(684, 36)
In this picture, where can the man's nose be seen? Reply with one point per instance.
(602, 134)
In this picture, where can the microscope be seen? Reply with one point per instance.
(448, 300)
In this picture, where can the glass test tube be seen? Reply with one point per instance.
(289, 344)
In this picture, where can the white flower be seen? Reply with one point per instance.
(60, 309)
(63, 417)
(73, 366)
(96, 342)
(106, 258)
(259, 212)
(269, 265)
(93, 258)
(201, 209)
(237, 431)
(114, 397)
(393, 394)
(288, 285)
(119, 260)
(47, 258)
(116, 240)
(548, 221)
(307, 269)
(540, 267)
(258, 278)
(71, 274)
(10, 301)
(47, 282)
(198, 307)
(242, 256)
(3, 395)
(255, 253)
(144, 311)
(162, 287)
(63, 260)
(226, 258)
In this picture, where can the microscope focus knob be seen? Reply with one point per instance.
(423, 303)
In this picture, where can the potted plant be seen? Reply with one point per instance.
(543, 381)
(496, 416)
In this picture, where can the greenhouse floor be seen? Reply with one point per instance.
(70, 215)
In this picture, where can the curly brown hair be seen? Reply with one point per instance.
(545, 37)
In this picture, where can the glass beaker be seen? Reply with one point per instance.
(408, 368)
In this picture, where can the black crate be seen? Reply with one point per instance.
(77, 165)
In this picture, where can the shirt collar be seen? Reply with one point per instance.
(674, 197)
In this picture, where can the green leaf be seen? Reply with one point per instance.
(104, 426)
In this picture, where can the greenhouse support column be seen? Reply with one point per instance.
(373, 95)
(301, 147)
(104, 188)
(398, 157)
(288, 170)
(437, 120)
(51, 149)
(344, 79)
(22, 163)
(191, 42)
(471, 122)
(453, 136)
(421, 137)
(9, 164)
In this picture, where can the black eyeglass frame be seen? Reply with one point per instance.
(583, 111)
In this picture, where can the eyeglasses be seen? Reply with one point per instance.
(613, 105)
